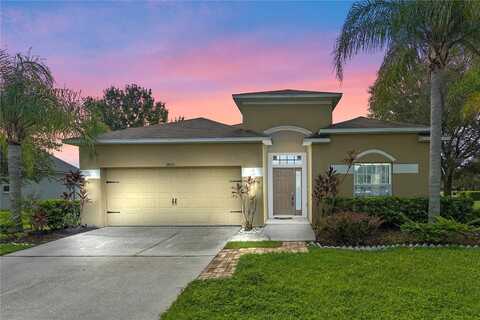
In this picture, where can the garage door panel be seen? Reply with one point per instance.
(144, 196)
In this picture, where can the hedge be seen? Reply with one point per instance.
(393, 210)
(60, 213)
(474, 195)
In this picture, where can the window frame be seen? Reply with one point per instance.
(3, 188)
(390, 184)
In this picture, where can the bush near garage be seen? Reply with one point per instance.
(60, 213)
(395, 211)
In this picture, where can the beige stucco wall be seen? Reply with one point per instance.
(176, 155)
(309, 116)
(154, 156)
(405, 148)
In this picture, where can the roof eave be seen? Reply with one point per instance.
(175, 140)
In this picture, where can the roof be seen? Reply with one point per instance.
(287, 95)
(61, 166)
(192, 130)
(368, 125)
(287, 92)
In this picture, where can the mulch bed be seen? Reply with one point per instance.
(386, 237)
(36, 238)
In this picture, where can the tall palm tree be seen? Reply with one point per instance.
(429, 30)
(29, 113)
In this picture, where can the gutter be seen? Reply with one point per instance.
(374, 130)
(265, 140)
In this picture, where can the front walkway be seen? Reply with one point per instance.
(279, 232)
(225, 263)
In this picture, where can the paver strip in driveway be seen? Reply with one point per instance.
(110, 273)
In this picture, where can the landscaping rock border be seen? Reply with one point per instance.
(393, 246)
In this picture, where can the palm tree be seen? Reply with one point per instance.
(427, 30)
(30, 113)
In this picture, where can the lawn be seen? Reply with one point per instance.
(253, 244)
(6, 248)
(336, 284)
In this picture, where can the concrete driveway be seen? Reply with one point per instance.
(109, 273)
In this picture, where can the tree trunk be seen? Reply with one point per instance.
(15, 181)
(435, 174)
(448, 181)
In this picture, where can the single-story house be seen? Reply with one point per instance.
(50, 187)
(182, 173)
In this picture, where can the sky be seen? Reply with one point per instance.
(193, 55)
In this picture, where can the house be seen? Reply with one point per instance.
(47, 188)
(181, 173)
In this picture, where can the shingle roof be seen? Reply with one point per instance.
(363, 122)
(367, 125)
(186, 129)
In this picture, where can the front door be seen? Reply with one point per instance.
(287, 191)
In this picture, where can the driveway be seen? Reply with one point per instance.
(109, 273)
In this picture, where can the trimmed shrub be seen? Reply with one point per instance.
(474, 195)
(348, 228)
(60, 213)
(443, 231)
(396, 211)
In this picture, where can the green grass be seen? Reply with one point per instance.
(476, 205)
(253, 244)
(6, 248)
(335, 284)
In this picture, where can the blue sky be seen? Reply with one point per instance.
(193, 55)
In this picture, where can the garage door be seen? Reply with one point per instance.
(172, 196)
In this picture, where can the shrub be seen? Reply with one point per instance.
(39, 220)
(442, 231)
(348, 228)
(396, 211)
(60, 213)
(474, 195)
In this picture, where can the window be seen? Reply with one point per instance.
(372, 179)
(286, 159)
(6, 188)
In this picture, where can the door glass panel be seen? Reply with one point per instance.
(298, 190)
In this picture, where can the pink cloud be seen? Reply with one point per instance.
(200, 81)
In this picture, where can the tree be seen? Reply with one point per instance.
(400, 93)
(33, 113)
(132, 107)
(428, 30)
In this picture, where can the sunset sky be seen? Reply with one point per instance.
(193, 55)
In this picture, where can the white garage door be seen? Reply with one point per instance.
(172, 196)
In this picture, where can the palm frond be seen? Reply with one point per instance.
(367, 28)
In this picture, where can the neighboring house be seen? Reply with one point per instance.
(181, 173)
(47, 188)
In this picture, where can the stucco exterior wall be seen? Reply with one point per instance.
(167, 156)
(405, 148)
(172, 155)
(46, 188)
(309, 116)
